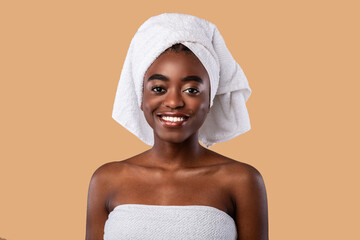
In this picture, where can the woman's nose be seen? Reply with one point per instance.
(173, 99)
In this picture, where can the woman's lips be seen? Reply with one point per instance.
(173, 119)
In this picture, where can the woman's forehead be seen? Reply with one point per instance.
(177, 64)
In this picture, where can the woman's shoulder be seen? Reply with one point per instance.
(110, 170)
(245, 182)
(237, 172)
(114, 169)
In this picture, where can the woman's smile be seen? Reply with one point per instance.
(173, 119)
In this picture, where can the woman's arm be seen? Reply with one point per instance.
(96, 205)
(251, 204)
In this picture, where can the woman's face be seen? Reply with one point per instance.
(176, 96)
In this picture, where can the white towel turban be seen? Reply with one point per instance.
(228, 116)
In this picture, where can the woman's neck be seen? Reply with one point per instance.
(173, 156)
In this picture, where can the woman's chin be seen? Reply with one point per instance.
(175, 138)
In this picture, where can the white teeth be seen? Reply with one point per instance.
(173, 119)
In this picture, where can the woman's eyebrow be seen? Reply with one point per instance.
(158, 77)
(185, 79)
(192, 78)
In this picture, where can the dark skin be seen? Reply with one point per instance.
(177, 170)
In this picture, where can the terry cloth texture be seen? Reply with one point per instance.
(192, 222)
(228, 116)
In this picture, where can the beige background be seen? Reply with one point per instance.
(60, 63)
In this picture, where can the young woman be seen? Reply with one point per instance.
(179, 189)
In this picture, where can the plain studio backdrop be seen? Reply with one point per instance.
(60, 62)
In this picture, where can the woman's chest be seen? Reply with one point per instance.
(172, 189)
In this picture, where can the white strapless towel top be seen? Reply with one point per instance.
(140, 221)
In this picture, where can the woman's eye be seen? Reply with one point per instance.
(192, 90)
(158, 89)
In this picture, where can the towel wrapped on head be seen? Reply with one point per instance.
(229, 88)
